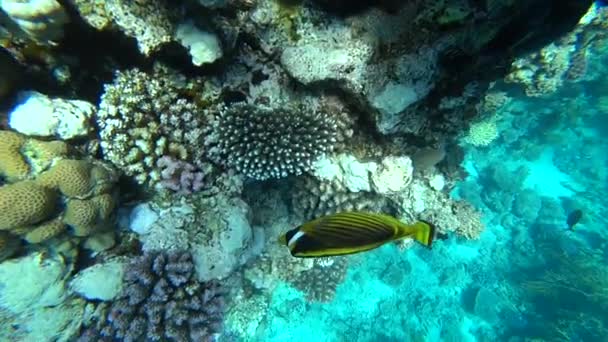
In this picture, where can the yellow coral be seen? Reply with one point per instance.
(71, 177)
(12, 165)
(25, 203)
(87, 216)
(40, 154)
(45, 231)
(78, 178)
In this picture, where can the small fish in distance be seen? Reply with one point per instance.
(573, 218)
(352, 232)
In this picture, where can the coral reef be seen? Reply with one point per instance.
(49, 194)
(319, 283)
(257, 116)
(39, 115)
(43, 308)
(103, 281)
(312, 198)
(146, 21)
(556, 283)
(545, 71)
(142, 118)
(482, 133)
(179, 176)
(40, 20)
(262, 143)
(215, 229)
(162, 300)
(204, 47)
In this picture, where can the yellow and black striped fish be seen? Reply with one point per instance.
(352, 232)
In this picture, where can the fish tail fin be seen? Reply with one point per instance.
(424, 232)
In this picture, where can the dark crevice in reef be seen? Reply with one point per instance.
(345, 8)
(523, 29)
(93, 57)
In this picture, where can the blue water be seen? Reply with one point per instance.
(527, 277)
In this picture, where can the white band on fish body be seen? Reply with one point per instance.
(295, 238)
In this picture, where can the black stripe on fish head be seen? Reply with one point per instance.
(306, 243)
(290, 234)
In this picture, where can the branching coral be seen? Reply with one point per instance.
(162, 301)
(179, 176)
(263, 143)
(320, 282)
(142, 117)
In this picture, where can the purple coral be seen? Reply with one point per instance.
(179, 175)
(162, 301)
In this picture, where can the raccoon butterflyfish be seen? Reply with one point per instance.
(352, 232)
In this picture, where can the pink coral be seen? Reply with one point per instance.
(179, 176)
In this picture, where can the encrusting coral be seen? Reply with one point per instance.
(265, 143)
(312, 198)
(146, 21)
(162, 301)
(48, 194)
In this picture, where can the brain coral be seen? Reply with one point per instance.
(12, 165)
(52, 194)
(143, 118)
(25, 203)
(264, 143)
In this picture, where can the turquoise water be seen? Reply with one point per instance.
(527, 277)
